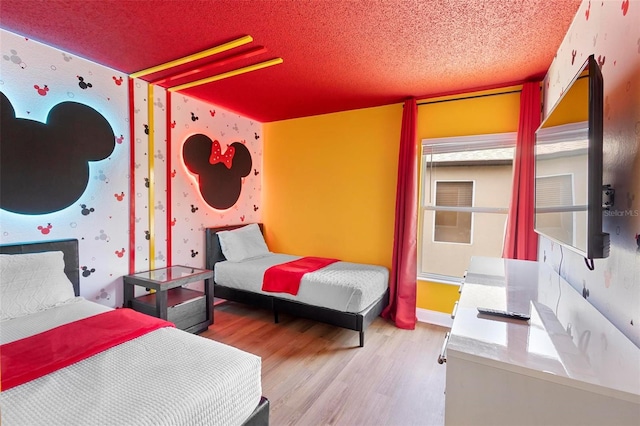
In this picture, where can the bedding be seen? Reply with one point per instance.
(286, 277)
(243, 243)
(163, 377)
(32, 282)
(27, 359)
(343, 286)
(345, 294)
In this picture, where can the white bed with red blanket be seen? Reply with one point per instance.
(345, 294)
(343, 286)
(158, 375)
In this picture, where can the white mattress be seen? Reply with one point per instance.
(343, 286)
(166, 377)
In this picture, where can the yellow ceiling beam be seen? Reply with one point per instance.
(212, 51)
(227, 74)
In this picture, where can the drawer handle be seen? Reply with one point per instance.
(455, 310)
(442, 358)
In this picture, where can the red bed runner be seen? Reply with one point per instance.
(35, 356)
(285, 277)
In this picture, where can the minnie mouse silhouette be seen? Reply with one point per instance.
(219, 174)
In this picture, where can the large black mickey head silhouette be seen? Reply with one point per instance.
(219, 174)
(44, 167)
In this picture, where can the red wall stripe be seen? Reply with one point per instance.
(169, 163)
(132, 186)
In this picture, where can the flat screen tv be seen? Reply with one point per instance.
(568, 167)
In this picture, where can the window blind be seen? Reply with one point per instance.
(454, 194)
(554, 191)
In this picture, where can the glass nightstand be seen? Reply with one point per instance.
(188, 309)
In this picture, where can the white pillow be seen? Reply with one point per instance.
(243, 243)
(32, 282)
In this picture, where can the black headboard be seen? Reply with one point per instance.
(69, 248)
(212, 244)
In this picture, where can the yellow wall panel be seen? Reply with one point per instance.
(471, 114)
(436, 296)
(330, 184)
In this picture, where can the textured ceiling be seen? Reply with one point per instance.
(338, 54)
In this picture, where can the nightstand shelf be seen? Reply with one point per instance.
(188, 309)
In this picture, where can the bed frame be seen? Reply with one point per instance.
(69, 248)
(352, 321)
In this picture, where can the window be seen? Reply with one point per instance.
(465, 195)
(452, 226)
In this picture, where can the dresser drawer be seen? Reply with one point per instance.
(188, 313)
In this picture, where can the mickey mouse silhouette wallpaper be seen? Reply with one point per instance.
(44, 167)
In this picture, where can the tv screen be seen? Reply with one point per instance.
(568, 167)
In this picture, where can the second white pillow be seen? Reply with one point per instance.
(243, 243)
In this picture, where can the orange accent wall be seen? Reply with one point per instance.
(329, 184)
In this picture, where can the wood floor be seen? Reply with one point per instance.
(315, 374)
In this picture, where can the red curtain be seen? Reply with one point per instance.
(402, 281)
(521, 242)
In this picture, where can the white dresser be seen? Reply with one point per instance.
(567, 365)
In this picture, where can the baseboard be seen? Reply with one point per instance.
(434, 317)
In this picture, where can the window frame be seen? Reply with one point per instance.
(450, 145)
